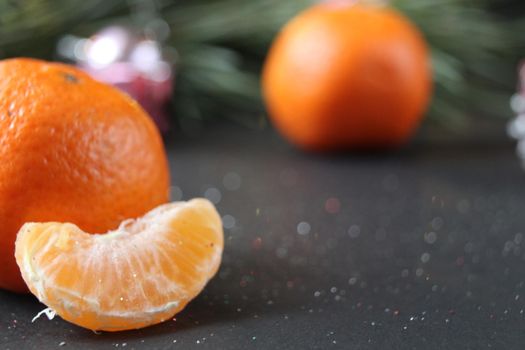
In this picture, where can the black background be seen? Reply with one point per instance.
(390, 284)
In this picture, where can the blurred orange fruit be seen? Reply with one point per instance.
(72, 150)
(138, 275)
(346, 75)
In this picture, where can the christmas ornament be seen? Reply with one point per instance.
(135, 63)
(516, 127)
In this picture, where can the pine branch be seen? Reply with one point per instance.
(221, 45)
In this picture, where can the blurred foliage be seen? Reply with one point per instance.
(221, 44)
(475, 54)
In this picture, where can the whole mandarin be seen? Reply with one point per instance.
(71, 150)
(343, 75)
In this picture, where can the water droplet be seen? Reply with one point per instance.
(425, 257)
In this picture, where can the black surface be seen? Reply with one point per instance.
(390, 286)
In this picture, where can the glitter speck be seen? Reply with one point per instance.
(317, 293)
(391, 183)
(437, 223)
(430, 237)
(232, 181)
(303, 228)
(228, 221)
(463, 206)
(257, 243)
(332, 205)
(354, 231)
(176, 193)
(62, 343)
(288, 177)
(281, 252)
(213, 194)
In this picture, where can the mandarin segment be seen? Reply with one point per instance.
(137, 275)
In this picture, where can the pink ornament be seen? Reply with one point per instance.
(133, 63)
